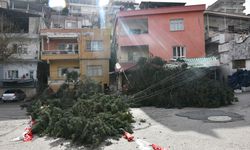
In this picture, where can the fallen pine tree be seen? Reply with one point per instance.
(152, 84)
(80, 113)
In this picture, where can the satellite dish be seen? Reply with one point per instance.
(118, 66)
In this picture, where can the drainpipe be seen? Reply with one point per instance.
(1, 25)
(208, 29)
(225, 23)
(48, 43)
(13, 5)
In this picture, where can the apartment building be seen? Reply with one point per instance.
(227, 36)
(167, 32)
(20, 38)
(87, 11)
(86, 51)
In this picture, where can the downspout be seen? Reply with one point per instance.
(208, 29)
(1, 27)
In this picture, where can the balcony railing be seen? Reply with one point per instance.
(16, 83)
(52, 52)
(132, 60)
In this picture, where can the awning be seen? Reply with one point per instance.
(201, 62)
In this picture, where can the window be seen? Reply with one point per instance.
(57, 25)
(71, 24)
(179, 52)
(239, 64)
(68, 46)
(94, 71)
(135, 31)
(20, 48)
(176, 24)
(63, 71)
(231, 28)
(31, 74)
(94, 46)
(12, 74)
(133, 56)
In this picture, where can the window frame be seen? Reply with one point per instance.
(91, 49)
(133, 56)
(71, 24)
(179, 52)
(175, 25)
(65, 45)
(10, 74)
(68, 70)
(94, 74)
(236, 64)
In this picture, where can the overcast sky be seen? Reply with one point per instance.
(192, 2)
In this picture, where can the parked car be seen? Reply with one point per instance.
(13, 95)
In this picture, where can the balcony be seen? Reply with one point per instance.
(134, 60)
(17, 83)
(128, 27)
(59, 54)
(131, 54)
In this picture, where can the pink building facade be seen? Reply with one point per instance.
(169, 33)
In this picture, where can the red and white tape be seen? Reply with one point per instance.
(27, 134)
(143, 145)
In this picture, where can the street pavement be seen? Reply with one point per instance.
(174, 129)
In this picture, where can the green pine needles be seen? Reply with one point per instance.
(152, 84)
(80, 113)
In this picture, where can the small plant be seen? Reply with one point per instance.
(72, 76)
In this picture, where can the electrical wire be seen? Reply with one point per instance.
(168, 78)
(182, 82)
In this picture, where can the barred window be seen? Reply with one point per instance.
(179, 52)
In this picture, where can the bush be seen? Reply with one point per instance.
(153, 85)
(81, 113)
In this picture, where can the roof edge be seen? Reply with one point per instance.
(163, 10)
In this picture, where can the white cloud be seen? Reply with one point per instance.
(103, 2)
(247, 5)
(57, 3)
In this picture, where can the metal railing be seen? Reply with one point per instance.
(52, 52)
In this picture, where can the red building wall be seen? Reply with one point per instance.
(159, 37)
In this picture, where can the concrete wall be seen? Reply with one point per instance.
(34, 25)
(22, 67)
(241, 49)
(102, 35)
(237, 49)
(55, 65)
(32, 45)
(57, 81)
(104, 79)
